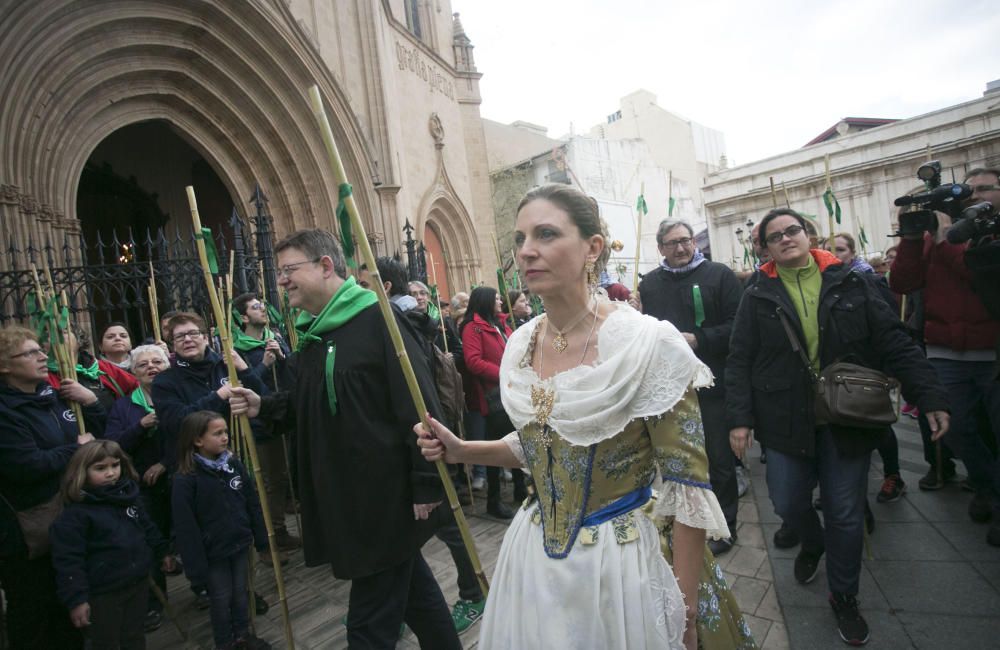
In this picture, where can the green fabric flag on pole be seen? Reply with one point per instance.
(670, 206)
(863, 237)
(210, 251)
(640, 205)
(346, 236)
(832, 204)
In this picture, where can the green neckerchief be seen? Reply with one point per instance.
(91, 372)
(803, 287)
(699, 306)
(139, 399)
(244, 342)
(348, 302)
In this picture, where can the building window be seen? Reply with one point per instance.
(413, 17)
(614, 117)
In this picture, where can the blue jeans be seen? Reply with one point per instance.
(842, 485)
(971, 385)
(475, 429)
(229, 597)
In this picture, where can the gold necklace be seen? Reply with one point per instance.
(559, 342)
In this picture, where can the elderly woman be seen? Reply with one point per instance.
(834, 314)
(132, 424)
(38, 435)
(603, 402)
(115, 344)
(103, 378)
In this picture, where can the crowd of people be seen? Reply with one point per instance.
(620, 419)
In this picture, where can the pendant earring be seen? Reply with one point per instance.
(591, 270)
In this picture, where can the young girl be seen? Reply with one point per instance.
(103, 546)
(217, 516)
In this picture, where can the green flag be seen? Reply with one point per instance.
(832, 204)
(344, 219)
(432, 307)
(640, 205)
(670, 206)
(210, 252)
(863, 238)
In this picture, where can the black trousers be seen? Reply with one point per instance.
(35, 617)
(382, 602)
(116, 618)
(468, 584)
(155, 501)
(721, 462)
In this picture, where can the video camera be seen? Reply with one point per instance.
(937, 198)
(976, 221)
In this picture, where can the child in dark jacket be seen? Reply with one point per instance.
(217, 515)
(103, 546)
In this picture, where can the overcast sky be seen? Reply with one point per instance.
(770, 75)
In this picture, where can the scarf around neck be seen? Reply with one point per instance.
(698, 258)
(349, 301)
(220, 464)
(139, 399)
(244, 342)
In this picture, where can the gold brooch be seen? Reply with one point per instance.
(542, 399)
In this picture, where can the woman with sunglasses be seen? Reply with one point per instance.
(835, 315)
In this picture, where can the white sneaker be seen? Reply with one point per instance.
(742, 482)
(479, 483)
(506, 476)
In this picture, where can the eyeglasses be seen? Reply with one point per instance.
(674, 243)
(36, 353)
(985, 188)
(192, 334)
(287, 270)
(257, 306)
(790, 232)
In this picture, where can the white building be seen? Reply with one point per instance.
(869, 169)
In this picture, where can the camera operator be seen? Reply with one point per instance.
(961, 340)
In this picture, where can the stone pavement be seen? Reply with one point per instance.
(931, 580)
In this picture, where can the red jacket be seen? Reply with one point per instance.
(114, 378)
(482, 347)
(954, 315)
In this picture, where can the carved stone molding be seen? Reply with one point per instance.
(437, 130)
(10, 194)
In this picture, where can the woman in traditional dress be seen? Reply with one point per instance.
(607, 422)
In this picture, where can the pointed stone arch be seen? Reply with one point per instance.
(231, 76)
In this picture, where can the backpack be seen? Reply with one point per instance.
(448, 382)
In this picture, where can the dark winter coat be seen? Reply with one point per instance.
(482, 346)
(954, 315)
(669, 296)
(768, 386)
(103, 543)
(359, 470)
(146, 447)
(264, 431)
(191, 386)
(38, 435)
(216, 514)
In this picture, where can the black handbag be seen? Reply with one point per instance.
(847, 394)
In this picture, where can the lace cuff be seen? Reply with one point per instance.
(513, 442)
(692, 506)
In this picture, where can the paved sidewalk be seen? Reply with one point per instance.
(932, 581)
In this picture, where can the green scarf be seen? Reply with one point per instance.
(91, 372)
(349, 301)
(244, 342)
(803, 287)
(139, 399)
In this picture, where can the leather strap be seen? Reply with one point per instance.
(796, 346)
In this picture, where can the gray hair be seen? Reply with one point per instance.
(458, 299)
(669, 224)
(316, 244)
(421, 285)
(147, 349)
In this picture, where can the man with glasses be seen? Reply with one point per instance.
(266, 353)
(961, 339)
(699, 297)
(365, 488)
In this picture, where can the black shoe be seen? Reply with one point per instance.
(993, 537)
(499, 510)
(250, 642)
(721, 546)
(869, 519)
(893, 487)
(806, 566)
(260, 604)
(851, 625)
(979, 508)
(763, 457)
(785, 537)
(152, 622)
(930, 480)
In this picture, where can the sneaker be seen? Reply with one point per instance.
(259, 604)
(286, 541)
(266, 558)
(806, 566)
(930, 481)
(893, 488)
(152, 622)
(910, 410)
(721, 546)
(851, 625)
(742, 482)
(785, 537)
(499, 510)
(507, 477)
(478, 483)
(979, 508)
(467, 612)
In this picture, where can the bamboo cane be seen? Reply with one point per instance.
(244, 420)
(171, 613)
(506, 294)
(337, 167)
(638, 236)
(788, 202)
(154, 304)
(774, 194)
(444, 337)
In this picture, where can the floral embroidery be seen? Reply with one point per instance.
(619, 460)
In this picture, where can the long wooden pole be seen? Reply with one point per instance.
(58, 339)
(154, 306)
(434, 281)
(390, 321)
(774, 194)
(829, 186)
(506, 294)
(638, 235)
(244, 421)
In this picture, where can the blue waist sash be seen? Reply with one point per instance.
(631, 501)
